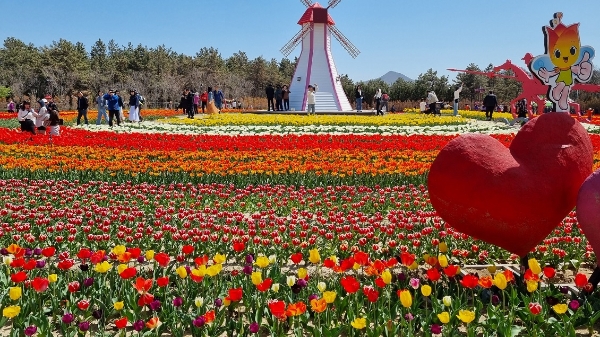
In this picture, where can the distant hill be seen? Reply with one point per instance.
(391, 76)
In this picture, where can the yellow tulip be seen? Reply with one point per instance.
(302, 273)
(200, 271)
(291, 280)
(356, 266)
(15, 293)
(405, 298)
(256, 278)
(214, 270)
(121, 268)
(7, 260)
(149, 255)
(443, 261)
(413, 266)
(52, 278)
(219, 258)
(466, 316)
(447, 300)
(181, 271)
(262, 261)
(119, 250)
(322, 286)
(426, 290)
(275, 287)
(444, 317)
(118, 305)
(532, 285)
(500, 281)
(359, 323)
(560, 308)
(443, 247)
(314, 256)
(226, 302)
(11, 311)
(102, 267)
(492, 269)
(334, 259)
(534, 265)
(386, 276)
(199, 301)
(329, 296)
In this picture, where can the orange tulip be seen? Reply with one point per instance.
(318, 305)
(296, 309)
(152, 323)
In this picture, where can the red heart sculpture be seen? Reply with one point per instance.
(512, 197)
(588, 211)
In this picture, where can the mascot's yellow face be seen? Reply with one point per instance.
(564, 45)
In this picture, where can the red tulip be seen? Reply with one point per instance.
(277, 308)
(264, 285)
(239, 247)
(73, 286)
(580, 280)
(128, 273)
(407, 258)
(84, 253)
(121, 323)
(187, 249)
(162, 281)
(65, 264)
(235, 294)
(433, 274)
(535, 308)
(470, 281)
(371, 294)
(83, 305)
(549, 272)
(142, 285)
(18, 277)
(162, 259)
(40, 284)
(48, 252)
(350, 284)
(145, 299)
(361, 258)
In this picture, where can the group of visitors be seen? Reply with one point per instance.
(210, 101)
(113, 102)
(278, 98)
(45, 118)
(381, 100)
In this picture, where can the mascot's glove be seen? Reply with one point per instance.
(584, 69)
(544, 74)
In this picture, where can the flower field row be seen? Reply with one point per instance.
(267, 259)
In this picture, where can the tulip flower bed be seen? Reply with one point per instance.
(268, 260)
(292, 234)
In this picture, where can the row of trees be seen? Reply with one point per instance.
(63, 68)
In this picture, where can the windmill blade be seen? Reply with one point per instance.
(289, 47)
(333, 3)
(352, 50)
(306, 3)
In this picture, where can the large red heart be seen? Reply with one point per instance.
(512, 197)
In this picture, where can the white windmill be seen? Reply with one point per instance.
(315, 64)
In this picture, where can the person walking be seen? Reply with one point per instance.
(432, 102)
(196, 101)
(456, 96)
(134, 103)
(311, 99)
(270, 91)
(142, 100)
(278, 98)
(219, 98)
(82, 108)
(112, 103)
(101, 103)
(378, 96)
(286, 98)
(121, 105)
(358, 95)
(490, 102)
(204, 100)
(189, 103)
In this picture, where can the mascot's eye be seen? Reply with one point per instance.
(557, 53)
(573, 50)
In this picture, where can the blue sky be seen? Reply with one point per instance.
(408, 36)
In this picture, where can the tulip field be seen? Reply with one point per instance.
(262, 225)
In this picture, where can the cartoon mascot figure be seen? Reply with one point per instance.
(565, 62)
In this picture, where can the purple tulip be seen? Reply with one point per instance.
(40, 264)
(296, 288)
(495, 299)
(84, 267)
(138, 325)
(88, 282)
(301, 283)
(551, 300)
(199, 322)
(409, 317)
(177, 301)
(37, 251)
(68, 318)
(247, 269)
(312, 297)
(188, 269)
(154, 305)
(140, 259)
(28, 252)
(218, 303)
(436, 329)
(84, 326)
(104, 258)
(254, 327)
(4, 251)
(97, 313)
(574, 305)
(30, 330)
(401, 277)
(249, 258)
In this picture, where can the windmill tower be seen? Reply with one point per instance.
(315, 64)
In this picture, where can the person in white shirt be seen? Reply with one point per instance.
(378, 95)
(432, 101)
(43, 115)
(310, 98)
(26, 116)
(456, 95)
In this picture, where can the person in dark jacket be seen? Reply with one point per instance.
(113, 102)
(270, 91)
(286, 98)
(358, 94)
(278, 98)
(490, 102)
(82, 108)
(189, 103)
